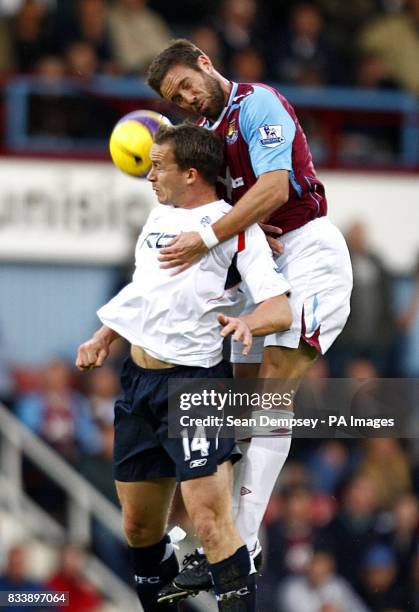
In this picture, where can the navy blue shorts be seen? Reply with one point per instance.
(142, 448)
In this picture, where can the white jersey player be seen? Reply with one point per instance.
(175, 325)
(152, 311)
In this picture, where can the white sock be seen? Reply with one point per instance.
(238, 476)
(262, 464)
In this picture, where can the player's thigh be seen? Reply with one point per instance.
(212, 494)
(146, 504)
(246, 370)
(287, 363)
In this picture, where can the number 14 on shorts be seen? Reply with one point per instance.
(198, 444)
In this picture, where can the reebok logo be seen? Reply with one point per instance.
(198, 463)
(244, 491)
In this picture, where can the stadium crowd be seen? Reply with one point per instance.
(368, 43)
(372, 45)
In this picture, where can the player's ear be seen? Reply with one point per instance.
(205, 63)
(191, 176)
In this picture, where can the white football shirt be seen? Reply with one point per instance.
(174, 318)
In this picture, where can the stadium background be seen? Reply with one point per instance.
(68, 220)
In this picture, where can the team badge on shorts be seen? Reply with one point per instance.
(232, 132)
(206, 220)
(271, 135)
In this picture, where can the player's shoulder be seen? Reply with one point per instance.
(261, 94)
(262, 102)
(211, 212)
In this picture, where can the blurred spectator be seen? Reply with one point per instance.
(31, 34)
(408, 323)
(14, 577)
(103, 388)
(207, 39)
(238, 26)
(343, 20)
(301, 52)
(380, 590)
(50, 67)
(290, 540)
(49, 111)
(386, 463)
(319, 589)
(97, 468)
(364, 138)
(89, 24)
(352, 531)
(82, 61)
(83, 596)
(248, 66)
(183, 16)
(402, 534)
(7, 60)
(328, 466)
(138, 34)
(370, 330)
(372, 72)
(396, 39)
(59, 414)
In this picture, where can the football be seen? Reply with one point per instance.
(131, 141)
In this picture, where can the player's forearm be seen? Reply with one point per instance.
(260, 201)
(106, 334)
(269, 317)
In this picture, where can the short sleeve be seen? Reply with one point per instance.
(269, 131)
(257, 267)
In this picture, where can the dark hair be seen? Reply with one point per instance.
(180, 51)
(194, 147)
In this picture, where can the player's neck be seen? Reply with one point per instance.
(194, 200)
(226, 86)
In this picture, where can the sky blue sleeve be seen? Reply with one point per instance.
(268, 129)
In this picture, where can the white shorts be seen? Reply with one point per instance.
(317, 265)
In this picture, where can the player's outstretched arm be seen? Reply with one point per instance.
(272, 315)
(93, 353)
(270, 191)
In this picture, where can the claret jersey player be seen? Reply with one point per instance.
(261, 134)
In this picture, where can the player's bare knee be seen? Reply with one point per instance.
(138, 532)
(207, 527)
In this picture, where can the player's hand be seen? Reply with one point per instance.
(239, 329)
(276, 245)
(92, 354)
(182, 252)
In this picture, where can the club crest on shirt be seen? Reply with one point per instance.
(271, 135)
(205, 220)
(232, 132)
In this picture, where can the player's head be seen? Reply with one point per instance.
(186, 160)
(183, 74)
